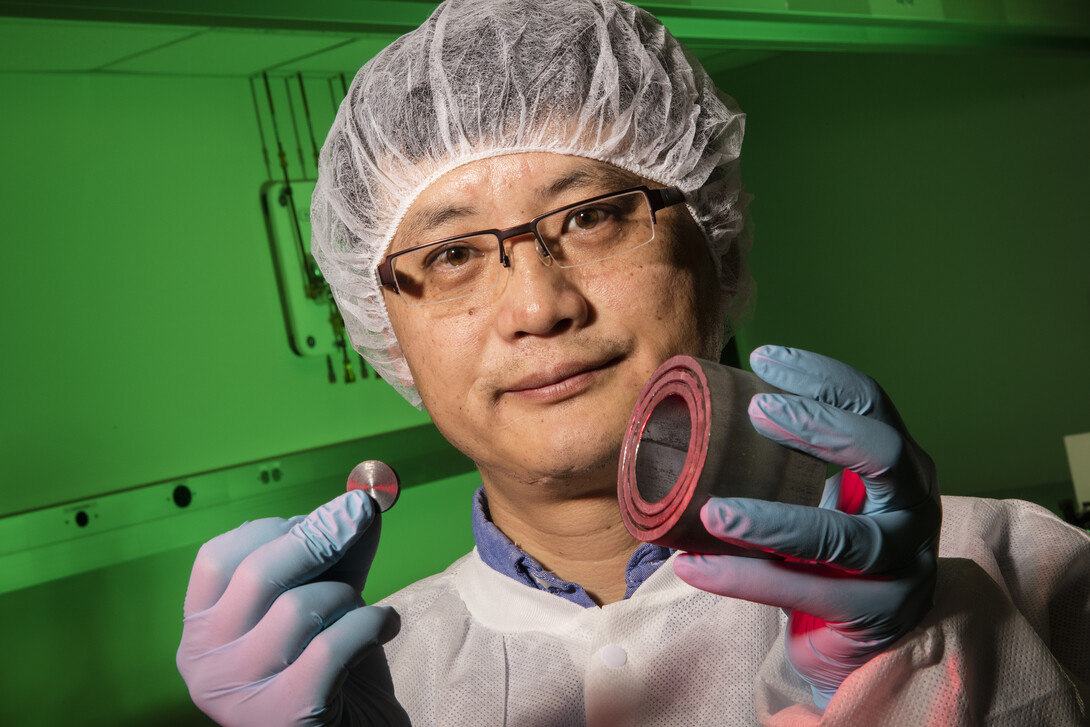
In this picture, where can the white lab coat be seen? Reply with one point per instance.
(1006, 643)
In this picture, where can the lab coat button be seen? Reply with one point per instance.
(613, 656)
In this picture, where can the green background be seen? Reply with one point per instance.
(919, 215)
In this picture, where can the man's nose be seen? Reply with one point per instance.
(537, 298)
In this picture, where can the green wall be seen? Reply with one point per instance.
(142, 321)
(924, 218)
(921, 217)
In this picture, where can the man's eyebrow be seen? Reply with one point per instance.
(606, 179)
(414, 230)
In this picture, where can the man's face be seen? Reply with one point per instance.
(535, 379)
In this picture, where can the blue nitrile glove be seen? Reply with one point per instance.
(853, 583)
(276, 632)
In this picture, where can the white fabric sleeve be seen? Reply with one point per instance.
(1006, 643)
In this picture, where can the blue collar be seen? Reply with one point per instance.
(503, 556)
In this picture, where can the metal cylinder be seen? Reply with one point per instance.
(690, 439)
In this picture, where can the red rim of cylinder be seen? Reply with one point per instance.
(681, 377)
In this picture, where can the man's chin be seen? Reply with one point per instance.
(572, 471)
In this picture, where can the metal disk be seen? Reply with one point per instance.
(378, 480)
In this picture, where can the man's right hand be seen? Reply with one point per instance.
(276, 631)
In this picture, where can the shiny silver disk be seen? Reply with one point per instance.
(378, 480)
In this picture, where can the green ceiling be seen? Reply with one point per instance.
(244, 37)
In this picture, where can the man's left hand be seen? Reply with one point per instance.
(858, 572)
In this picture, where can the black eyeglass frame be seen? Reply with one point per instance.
(657, 199)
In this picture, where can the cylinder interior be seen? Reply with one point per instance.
(663, 446)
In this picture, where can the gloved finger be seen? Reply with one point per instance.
(296, 617)
(302, 554)
(352, 568)
(322, 667)
(828, 594)
(874, 544)
(823, 379)
(811, 534)
(218, 558)
(867, 446)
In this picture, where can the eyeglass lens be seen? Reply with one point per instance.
(574, 236)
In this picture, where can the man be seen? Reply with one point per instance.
(524, 208)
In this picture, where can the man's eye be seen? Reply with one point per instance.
(455, 256)
(452, 257)
(584, 219)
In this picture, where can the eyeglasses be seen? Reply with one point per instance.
(578, 234)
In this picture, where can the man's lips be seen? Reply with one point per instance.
(558, 379)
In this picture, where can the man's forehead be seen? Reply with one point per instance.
(544, 186)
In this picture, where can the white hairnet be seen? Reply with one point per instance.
(599, 79)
